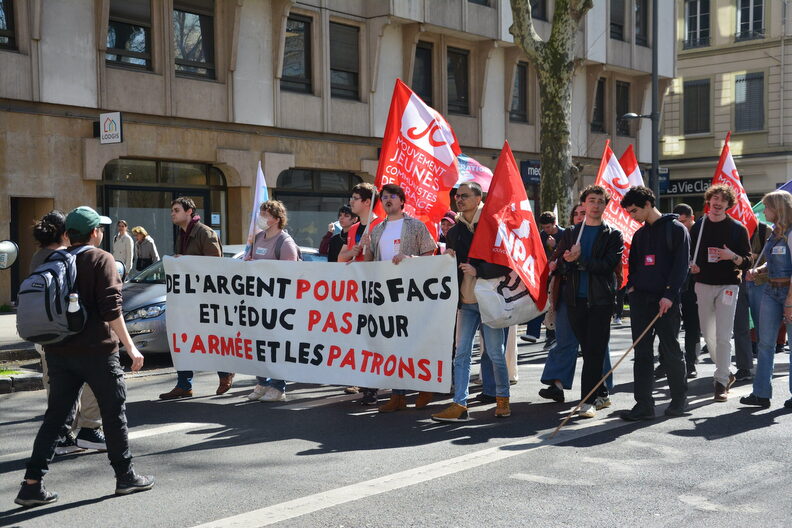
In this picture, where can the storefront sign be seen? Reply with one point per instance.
(690, 186)
(531, 172)
(110, 128)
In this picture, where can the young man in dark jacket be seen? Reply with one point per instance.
(658, 267)
(591, 252)
(91, 357)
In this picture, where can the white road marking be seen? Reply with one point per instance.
(704, 504)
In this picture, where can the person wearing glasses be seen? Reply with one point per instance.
(364, 197)
(398, 237)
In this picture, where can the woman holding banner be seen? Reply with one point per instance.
(777, 298)
(271, 243)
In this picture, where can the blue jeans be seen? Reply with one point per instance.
(184, 378)
(772, 310)
(562, 358)
(468, 322)
(269, 382)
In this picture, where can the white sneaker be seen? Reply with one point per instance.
(587, 411)
(273, 395)
(258, 392)
(617, 321)
(602, 402)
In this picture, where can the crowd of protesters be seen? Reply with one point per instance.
(706, 273)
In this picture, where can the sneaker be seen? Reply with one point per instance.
(131, 482)
(743, 375)
(755, 401)
(617, 321)
(176, 393)
(485, 398)
(788, 404)
(720, 392)
(660, 372)
(34, 495)
(225, 384)
(351, 390)
(691, 372)
(602, 402)
(552, 392)
(273, 395)
(68, 445)
(731, 381)
(369, 397)
(452, 413)
(675, 411)
(502, 410)
(635, 415)
(587, 411)
(258, 392)
(529, 338)
(91, 439)
(549, 343)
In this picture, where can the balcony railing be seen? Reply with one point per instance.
(701, 42)
(751, 34)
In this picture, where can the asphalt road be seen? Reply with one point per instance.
(321, 460)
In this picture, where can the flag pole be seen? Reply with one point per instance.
(597, 386)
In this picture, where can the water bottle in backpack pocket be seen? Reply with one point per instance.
(48, 305)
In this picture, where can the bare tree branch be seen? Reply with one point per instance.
(523, 31)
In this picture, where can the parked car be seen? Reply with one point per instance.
(143, 301)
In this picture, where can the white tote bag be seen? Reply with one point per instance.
(505, 301)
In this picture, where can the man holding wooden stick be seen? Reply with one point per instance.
(658, 266)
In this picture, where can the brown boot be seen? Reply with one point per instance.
(225, 384)
(424, 399)
(502, 409)
(175, 393)
(720, 392)
(397, 402)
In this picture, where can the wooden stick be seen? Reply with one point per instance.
(698, 240)
(597, 386)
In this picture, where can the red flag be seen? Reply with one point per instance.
(419, 153)
(618, 177)
(726, 173)
(507, 233)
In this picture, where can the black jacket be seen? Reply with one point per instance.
(605, 257)
(460, 238)
(659, 257)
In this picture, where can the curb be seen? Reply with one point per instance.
(32, 381)
(18, 354)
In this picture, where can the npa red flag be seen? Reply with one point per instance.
(507, 233)
(617, 177)
(419, 153)
(726, 173)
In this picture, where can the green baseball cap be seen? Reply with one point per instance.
(84, 219)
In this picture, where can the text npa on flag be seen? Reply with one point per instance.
(374, 324)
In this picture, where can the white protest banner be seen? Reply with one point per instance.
(374, 324)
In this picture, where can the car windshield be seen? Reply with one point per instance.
(153, 274)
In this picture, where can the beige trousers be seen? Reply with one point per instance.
(88, 414)
(716, 307)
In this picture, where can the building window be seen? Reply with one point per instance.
(297, 55)
(697, 106)
(485, 3)
(539, 9)
(129, 33)
(697, 24)
(519, 102)
(7, 36)
(311, 197)
(749, 102)
(617, 19)
(749, 20)
(622, 107)
(642, 22)
(458, 92)
(193, 37)
(344, 61)
(422, 72)
(598, 112)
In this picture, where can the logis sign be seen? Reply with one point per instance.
(110, 128)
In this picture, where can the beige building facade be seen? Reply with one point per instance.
(734, 74)
(207, 89)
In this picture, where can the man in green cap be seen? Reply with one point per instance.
(91, 357)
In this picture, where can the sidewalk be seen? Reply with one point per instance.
(15, 355)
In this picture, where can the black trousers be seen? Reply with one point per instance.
(105, 376)
(591, 325)
(692, 328)
(643, 308)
